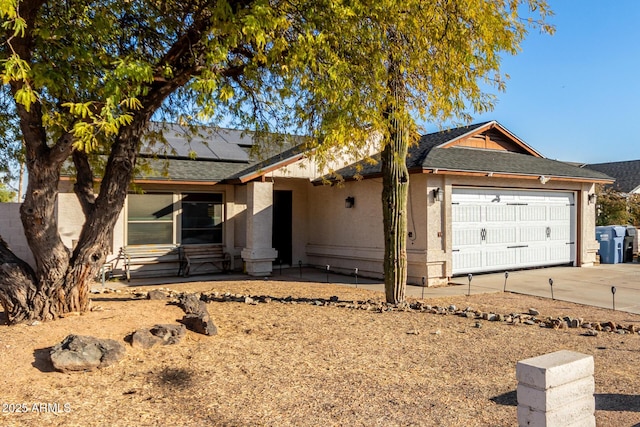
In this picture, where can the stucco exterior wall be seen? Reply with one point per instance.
(349, 238)
(12, 231)
(589, 246)
(239, 219)
(70, 218)
(258, 255)
(346, 238)
(312, 168)
(437, 233)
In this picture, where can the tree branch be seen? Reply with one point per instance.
(62, 149)
(31, 124)
(84, 182)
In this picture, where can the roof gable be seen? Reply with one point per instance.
(490, 139)
(492, 136)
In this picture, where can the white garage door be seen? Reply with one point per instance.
(494, 229)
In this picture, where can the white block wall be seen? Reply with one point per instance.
(556, 390)
(12, 232)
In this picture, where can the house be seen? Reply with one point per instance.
(480, 199)
(626, 174)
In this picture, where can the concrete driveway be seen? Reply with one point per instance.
(588, 285)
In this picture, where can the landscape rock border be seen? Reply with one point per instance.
(531, 318)
(196, 318)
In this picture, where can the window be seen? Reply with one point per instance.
(150, 219)
(202, 218)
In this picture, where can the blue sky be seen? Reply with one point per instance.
(575, 96)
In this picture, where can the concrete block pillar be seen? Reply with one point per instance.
(556, 390)
(259, 255)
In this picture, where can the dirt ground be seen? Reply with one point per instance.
(297, 364)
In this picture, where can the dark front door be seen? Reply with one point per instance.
(282, 237)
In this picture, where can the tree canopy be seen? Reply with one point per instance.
(616, 208)
(86, 77)
(6, 195)
(314, 67)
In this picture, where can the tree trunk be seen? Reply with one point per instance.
(395, 184)
(60, 281)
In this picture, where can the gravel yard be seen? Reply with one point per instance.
(295, 363)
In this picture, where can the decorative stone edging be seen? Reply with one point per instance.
(531, 318)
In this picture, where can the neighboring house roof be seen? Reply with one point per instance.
(457, 150)
(627, 174)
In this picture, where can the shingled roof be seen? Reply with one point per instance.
(434, 152)
(182, 170)
(627, 174)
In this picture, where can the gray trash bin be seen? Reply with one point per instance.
(629, 238)
(611, 238)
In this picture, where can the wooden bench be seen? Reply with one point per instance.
(204, 254)
(150, 254)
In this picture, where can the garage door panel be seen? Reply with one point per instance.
(533, 213)
(462, 213)
(500, 213)
(558, 253)
(559, 233)
(559, 213)
(533, 234)
(500, 258)
(466, 237)
(538, 197)
(532, 255)
(467, 260)
(500, 235)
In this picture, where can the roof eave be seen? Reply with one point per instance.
(243, 179)
(162, 181)
(491, 174)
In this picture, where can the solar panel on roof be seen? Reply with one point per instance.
(208, 144)
(228, 151)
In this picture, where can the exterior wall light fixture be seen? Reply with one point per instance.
(592, 198)
(437, 194)
(349, 202)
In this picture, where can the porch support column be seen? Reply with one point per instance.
(259, 255)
